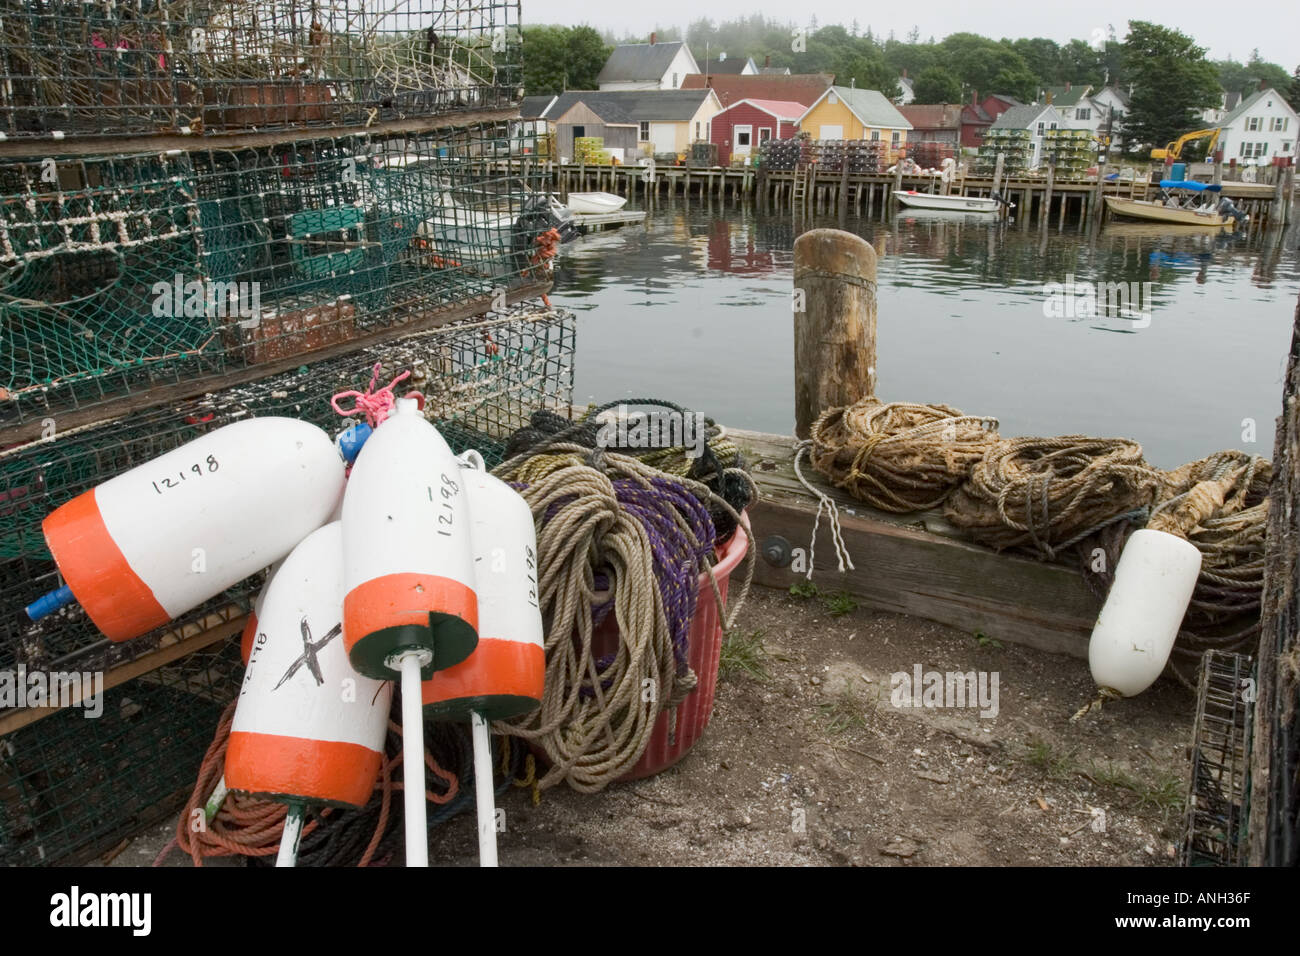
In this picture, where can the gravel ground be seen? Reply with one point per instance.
(807, 760)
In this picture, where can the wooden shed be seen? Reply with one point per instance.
(612, 124)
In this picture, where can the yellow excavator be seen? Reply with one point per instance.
(1175, 149)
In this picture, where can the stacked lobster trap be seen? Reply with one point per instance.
(213, 210)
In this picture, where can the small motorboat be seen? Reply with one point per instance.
(968, 204)
(1183, 203)
(594, 204)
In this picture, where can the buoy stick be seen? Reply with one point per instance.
(288, 855)
(487, 822)
(49, 603)
(213, 806)
(417, 836)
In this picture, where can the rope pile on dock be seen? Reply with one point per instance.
(1054, 496)
(1046, 494)
(899, 456)
(616, 537)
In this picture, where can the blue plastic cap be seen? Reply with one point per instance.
(47, 604)
(350, 441)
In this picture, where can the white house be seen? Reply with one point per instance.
(906, 93)
(1038, 118)
(1214, 115)
(647, 66)
(1109, 107)
(1261, 127)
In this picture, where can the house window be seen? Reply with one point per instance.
(1083, 113)
(1253, 124)
(1286, 147)
(1280, 123)
(1053, 126)
(697, 129)
(675, 81)
(875, 135)
(764, 134)
(1041, 127)
(893, 137)
(645, 130)
(1253, 150)
(743, 134)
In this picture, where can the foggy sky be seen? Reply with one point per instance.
(1223, 30)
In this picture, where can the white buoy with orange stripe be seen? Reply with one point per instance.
(505, 675)
(410, 605)
(156, 541)
(308, 728)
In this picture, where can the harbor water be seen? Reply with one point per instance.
(1178, 341)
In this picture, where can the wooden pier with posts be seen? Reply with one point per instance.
(1040, 199)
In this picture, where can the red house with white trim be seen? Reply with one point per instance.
(741, 128)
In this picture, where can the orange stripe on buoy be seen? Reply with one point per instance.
(117, 600)
(403, 600)
(246, 639)
(496, 668)
(330, 770)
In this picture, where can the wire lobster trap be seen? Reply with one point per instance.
(121, 67)
(1215, 824)
(119, 274)
(73, 786)
(481, 380)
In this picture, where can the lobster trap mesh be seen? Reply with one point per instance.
(119, 274)
(1215, 826)
(76, 783)
(113, 67)
(481, 380)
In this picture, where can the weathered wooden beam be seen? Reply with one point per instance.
(834, 322)
(911, 564)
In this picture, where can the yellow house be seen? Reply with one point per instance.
(845, 112)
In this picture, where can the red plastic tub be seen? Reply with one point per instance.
(671, 741)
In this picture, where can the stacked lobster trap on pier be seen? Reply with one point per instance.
(215, 210)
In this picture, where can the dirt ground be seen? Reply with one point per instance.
(807, 761)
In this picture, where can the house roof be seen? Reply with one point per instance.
(1065, 97)
(1119, 94)
(1231, 101)
(781, 109)
(633, 106)
(1005, 98)
(905, 81)
(534, 107)
(774, 70)
(945, 116)
(869, 106)
(732, 65)
(977, 113)
(1021, 117)
(637, 62)
(802, 88)
(1245, 105)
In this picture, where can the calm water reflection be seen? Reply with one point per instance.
(695, 307)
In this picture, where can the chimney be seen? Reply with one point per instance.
(974, 97)
(1262, 86)
(904, 72)
(767, 61)
(1067, 86)
(1048, 97)
(653, 37)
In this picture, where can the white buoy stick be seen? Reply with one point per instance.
(288, 855)
(483, 791)
(417, 835)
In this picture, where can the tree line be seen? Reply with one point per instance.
(1168, 76)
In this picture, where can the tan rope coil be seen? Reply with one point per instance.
(899, 456)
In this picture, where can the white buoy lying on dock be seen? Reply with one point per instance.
(505, 675)
(155, 542)
(1139, 622)
(411, 607)
(308, 728)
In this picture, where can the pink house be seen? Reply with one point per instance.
(742, 127)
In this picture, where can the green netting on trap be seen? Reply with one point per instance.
(121, 274)
(73, 786)
(211, 66)
(481, 379)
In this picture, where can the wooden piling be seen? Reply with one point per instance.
(834, 323)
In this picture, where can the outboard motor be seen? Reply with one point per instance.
(535, 218)
(1228, 208)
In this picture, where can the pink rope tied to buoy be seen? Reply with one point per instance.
(374, 404)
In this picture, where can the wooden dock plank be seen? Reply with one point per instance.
(915, 564)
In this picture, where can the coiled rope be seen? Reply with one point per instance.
(899, 456)
(615, 537)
